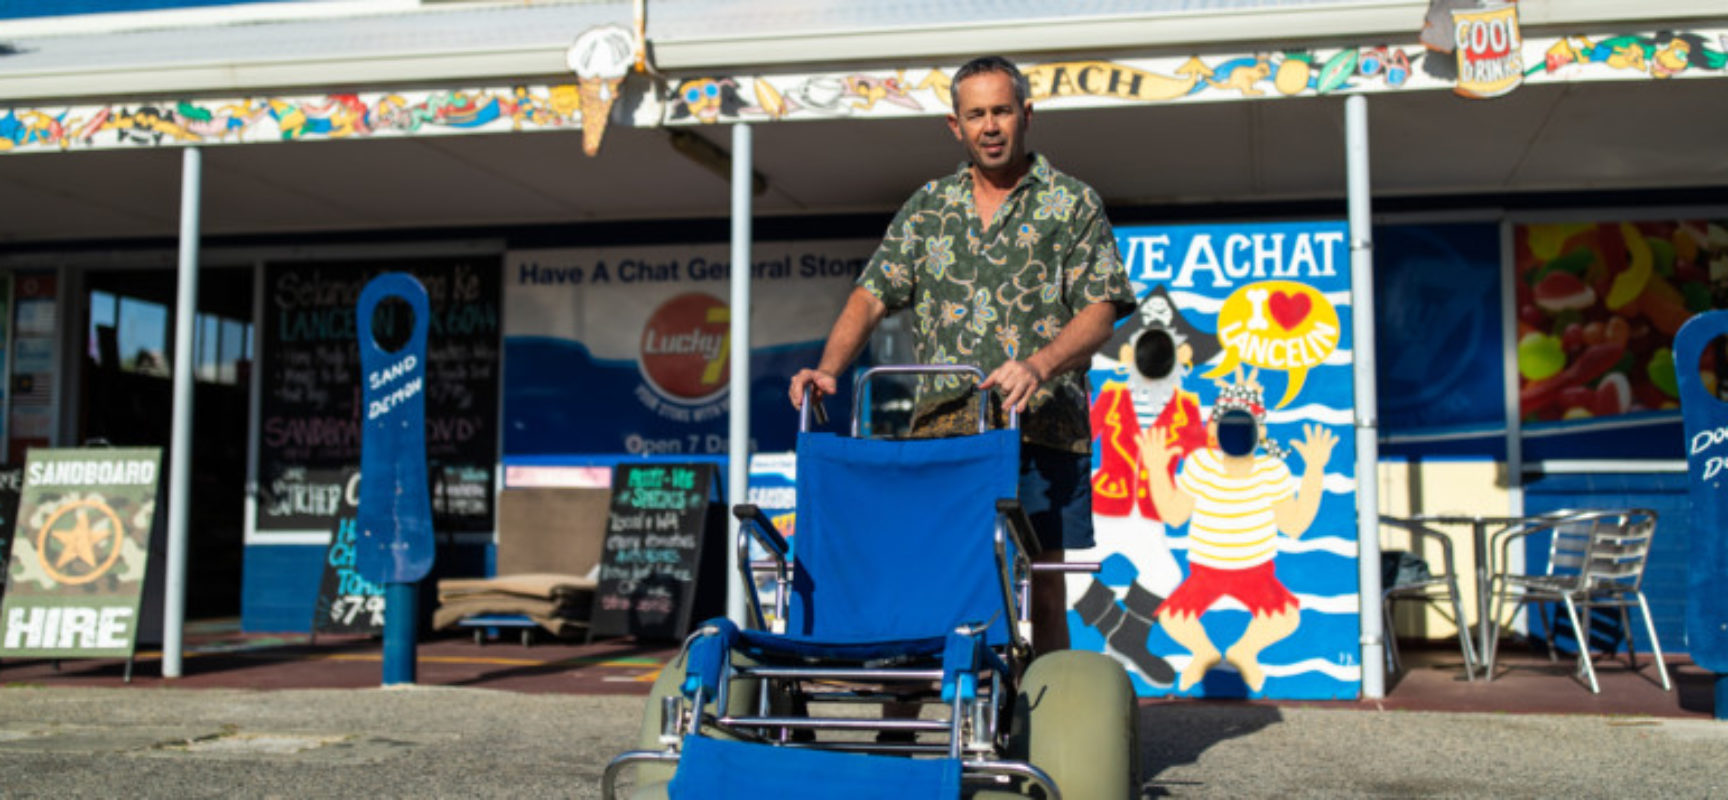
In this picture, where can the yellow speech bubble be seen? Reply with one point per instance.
(1277, 325)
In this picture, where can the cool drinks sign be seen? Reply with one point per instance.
(1490, 51)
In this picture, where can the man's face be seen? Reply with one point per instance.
(988, 123)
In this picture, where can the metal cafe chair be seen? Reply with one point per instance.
(1439, 591)
(1595, 559)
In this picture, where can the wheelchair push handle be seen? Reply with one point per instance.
(928, 369)
(811, 407)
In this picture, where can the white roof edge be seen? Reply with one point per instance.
(1276, 28)
(1269, 28)
(1402, 18)
(1548, 13)
(204, 16)
(464, 68)
(928, 43)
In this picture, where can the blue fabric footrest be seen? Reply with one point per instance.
(714, 769)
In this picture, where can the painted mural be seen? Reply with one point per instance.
(1292, 73)
(330, 116)
(1224, 472)
(1496, 67)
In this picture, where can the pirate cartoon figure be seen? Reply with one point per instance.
(1149, 356)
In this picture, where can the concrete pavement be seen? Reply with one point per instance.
(448, 742)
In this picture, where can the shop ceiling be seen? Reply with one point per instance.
(1583, 137)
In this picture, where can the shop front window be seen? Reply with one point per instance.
(132, 335)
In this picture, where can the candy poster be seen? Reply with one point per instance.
(1598, 306)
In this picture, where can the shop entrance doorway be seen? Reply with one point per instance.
(126, 399)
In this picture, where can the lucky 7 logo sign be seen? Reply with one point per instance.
(685, 346)
(1490, 51)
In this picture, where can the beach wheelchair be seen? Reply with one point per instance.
(909, 590)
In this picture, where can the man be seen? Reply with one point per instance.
(1011, 266)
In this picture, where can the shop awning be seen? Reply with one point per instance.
(346, 44)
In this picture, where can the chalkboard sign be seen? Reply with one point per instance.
(656, 576)
(347, 603)
(11, 484)
(311, 410)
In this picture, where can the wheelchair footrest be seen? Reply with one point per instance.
(839, 723)
(718, 769)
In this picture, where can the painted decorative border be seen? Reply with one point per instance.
(870, 94)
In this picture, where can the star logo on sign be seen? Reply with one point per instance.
(86, 542)
(79, 542)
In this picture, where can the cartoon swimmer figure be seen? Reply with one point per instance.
(1236, 500)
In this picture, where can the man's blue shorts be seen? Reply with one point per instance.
(1056, 491)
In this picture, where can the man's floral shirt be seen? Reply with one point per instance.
(984, 296)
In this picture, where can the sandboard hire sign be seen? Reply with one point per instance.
(79, 553)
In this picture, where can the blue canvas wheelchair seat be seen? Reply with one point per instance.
(895, 551)
(894, 538)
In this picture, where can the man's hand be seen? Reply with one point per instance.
(821, 384)
(1017, 380)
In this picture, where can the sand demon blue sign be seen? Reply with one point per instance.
(395, 516)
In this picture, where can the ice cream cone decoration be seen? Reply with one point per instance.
(598, 95)
(600, 57)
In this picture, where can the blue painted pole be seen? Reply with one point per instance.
(393, 545)
(1721, 696)
(401, 613)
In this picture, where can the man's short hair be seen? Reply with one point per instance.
(983, 64)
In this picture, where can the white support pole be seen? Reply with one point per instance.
(738, 439)
(180, 441)
(1520, 621)
(1367, 404)
(254, 406)
(1509, 376)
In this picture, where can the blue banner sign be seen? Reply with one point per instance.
(395, 516)
(1707, 462)
(627, 349)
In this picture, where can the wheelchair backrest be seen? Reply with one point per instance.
(895, 537)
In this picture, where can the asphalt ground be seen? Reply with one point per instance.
(466, 742)
(285, 716)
